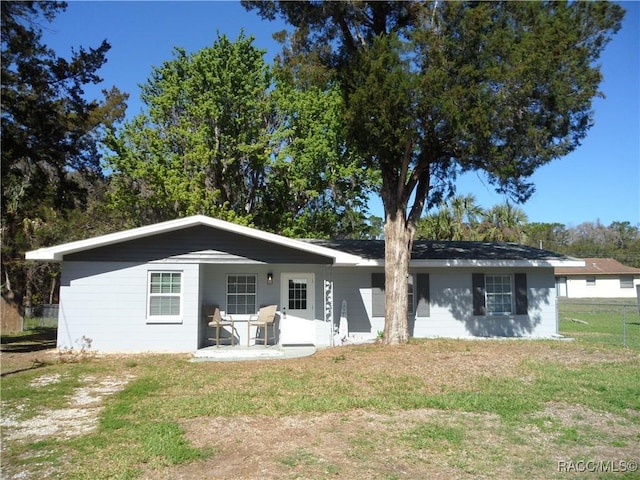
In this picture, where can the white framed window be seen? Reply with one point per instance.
(591, 281)
(165, 296)
(626, 281)
(499, 294)
(242, 294)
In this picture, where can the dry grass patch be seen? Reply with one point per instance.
(429, 409)
(416, 444)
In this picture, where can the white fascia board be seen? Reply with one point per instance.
(57, 253)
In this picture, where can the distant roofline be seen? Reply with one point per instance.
(598, 266)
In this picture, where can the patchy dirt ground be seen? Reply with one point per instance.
(80, 417)
(414, 444)
(359, 444)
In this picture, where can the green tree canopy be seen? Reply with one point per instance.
(460, 218)
(432, 89)
(620, 240)
(203, 144)
(50, 136)
(222, 136)
(316, 187)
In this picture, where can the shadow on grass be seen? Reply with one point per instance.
(41, 338)
(36, 340)
(36, 364)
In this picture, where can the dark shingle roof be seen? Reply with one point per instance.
(440, 250)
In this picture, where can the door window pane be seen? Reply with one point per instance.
(298, 294)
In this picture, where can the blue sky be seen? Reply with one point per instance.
(598, 181)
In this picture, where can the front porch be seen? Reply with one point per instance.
(302, 295)
(228, 353)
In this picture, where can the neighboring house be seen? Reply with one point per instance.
(598, 278)
(146, 289)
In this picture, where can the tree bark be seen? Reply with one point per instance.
(398, 243)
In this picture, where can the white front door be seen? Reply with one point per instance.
(297, 324)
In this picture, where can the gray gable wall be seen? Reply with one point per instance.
(196, 239)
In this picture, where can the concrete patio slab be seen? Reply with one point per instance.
(233, 354)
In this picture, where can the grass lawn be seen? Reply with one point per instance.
(605, 322)
(430, 409)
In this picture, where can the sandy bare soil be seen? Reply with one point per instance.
(78, 418)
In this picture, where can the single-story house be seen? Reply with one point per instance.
(598, 278)
(146, 289)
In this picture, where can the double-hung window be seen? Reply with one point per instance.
(241, 294)
(165, 295)
(499, 295)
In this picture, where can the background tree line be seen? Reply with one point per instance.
(52, 177)
(460, 218)
(222, 134)
(227, 135)
(387, 98)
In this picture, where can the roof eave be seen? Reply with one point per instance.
(57, 253)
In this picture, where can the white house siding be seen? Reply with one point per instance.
(607, 286)
(107, 303)
(451, 305)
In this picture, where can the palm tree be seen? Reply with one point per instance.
(456, 219)
(465, 217)
(503, 223)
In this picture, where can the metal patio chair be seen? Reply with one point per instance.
(266, 317)
(218, 322)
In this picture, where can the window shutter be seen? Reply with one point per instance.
(522, 306)
(477, 281)
(377, 294)
(422, 291)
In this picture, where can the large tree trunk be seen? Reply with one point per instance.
(398, 243)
